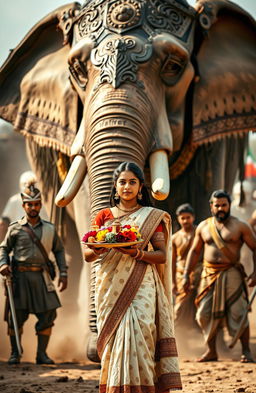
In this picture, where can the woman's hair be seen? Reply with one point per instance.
(134, 168)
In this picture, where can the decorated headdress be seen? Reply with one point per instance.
(30, 193)
(26, 178)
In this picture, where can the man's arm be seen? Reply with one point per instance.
(59, 253)
(193, 257)
(252, 221)
(5, 249)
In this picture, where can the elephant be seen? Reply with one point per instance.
(166, 85)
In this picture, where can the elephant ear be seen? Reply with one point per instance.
(36, 94)
(224, 96)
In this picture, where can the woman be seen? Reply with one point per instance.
(136, 343)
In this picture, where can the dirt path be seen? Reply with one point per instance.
(227, 375)
(223, 376)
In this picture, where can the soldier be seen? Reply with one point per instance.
(222, 296)
(34, 291)
(182, 240)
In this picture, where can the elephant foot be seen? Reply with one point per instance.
(92, 353)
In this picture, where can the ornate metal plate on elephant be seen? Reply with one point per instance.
(112, 245)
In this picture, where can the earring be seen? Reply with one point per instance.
(116, 196)
(140, 196)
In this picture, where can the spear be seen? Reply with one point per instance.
(8, 282)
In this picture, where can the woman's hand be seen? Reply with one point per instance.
(92, 253)
(132, 251)
(98, 251)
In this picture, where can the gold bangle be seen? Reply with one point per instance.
(95, 253)
(142, 255)
(137, 253)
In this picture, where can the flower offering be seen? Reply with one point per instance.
(124, 234)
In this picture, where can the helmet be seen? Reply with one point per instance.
(30, 193)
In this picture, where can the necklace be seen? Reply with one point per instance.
(219, 226)
(128, 210)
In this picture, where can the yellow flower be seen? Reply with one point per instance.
(100, 237)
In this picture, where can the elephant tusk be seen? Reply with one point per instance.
(77, 145)
(72, 182)
(159, 171)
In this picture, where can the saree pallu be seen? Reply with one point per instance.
(222, 297)
(136, 341)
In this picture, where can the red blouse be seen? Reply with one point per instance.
(106, 215)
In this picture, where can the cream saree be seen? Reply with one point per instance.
(136, 341)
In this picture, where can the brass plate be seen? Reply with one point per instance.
(112, 245)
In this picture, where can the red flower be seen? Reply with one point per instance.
(87, 235)
(120, 238)
(129, 236)
(127, 227)
(132, 236)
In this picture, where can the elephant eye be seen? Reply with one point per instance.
(79, 73)
(172, 69)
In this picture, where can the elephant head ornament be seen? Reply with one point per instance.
(159, 83)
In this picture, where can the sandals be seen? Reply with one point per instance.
(246, 359)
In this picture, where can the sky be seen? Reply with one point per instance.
(18, 17)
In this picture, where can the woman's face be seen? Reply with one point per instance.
(128, 186)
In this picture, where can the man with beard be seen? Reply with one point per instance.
(222, 296)
(34, 291)
(182, 240)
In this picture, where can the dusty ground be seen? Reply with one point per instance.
(73, 375)
(222, 376)
(227, 375)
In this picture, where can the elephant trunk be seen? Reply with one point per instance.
(116, 132)
(118, 126)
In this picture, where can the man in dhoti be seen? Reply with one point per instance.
(184, 309)
(222, 296)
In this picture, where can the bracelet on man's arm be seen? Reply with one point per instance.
(63, 274)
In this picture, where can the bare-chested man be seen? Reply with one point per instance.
(182, 240)
(222, 294)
